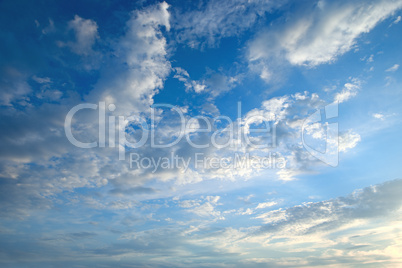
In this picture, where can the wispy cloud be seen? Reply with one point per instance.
(349, 91)
(394, 68)
(219, 19)
(86, 33)
(319, 34)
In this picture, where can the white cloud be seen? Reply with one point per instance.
(131, 79)
(86, 33)
(213, 84)
(248, 211)
(273, 217)
(189, 203)
(397, 20)
(140, 64)
(363, 227)
(246, 199)
(266, 205)
(198, 88)
(41, 80)
(349, 91)
(378, 116)
(218, 19)
(382, 116)
(266, 75)
(219, 83)
(289, 174)
(368, 59)
(371, 202)
(354, 228)
(394, 68)
(191, 85)
(348, 140)
(322, 33)
(203, 208)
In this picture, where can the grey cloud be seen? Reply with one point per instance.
(132, 191)
(371, 202)
(86, 33)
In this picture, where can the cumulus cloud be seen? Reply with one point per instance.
(140, 64)
(39, 155)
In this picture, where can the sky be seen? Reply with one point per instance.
(259, 133)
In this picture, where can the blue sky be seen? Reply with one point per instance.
(320, 80)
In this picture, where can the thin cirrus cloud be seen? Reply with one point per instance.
(215, 20)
